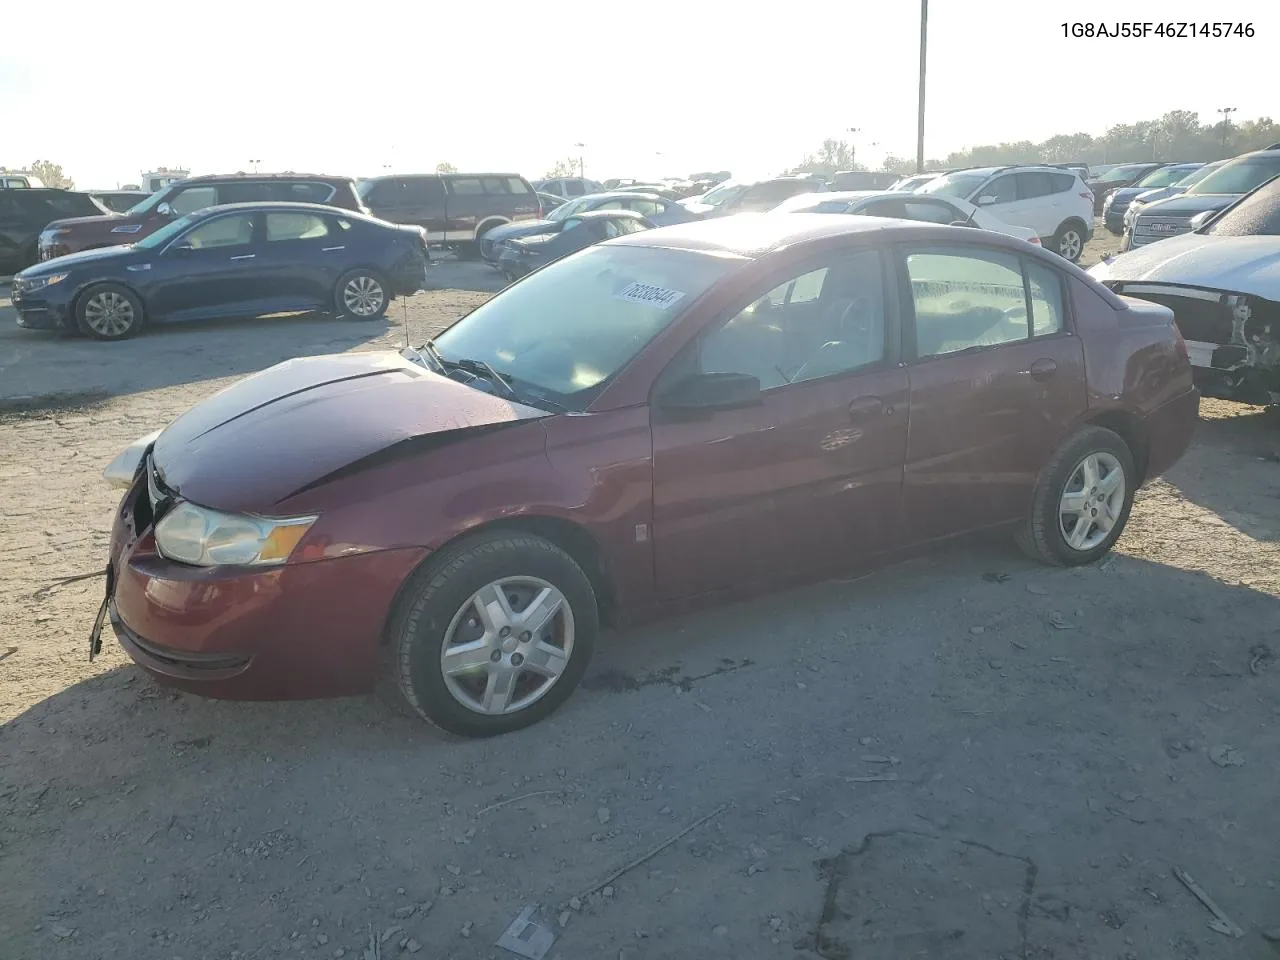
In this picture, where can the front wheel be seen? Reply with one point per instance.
(1068, 242)
(109, 311)
(494, 635)
(1082, 501)
(361, 295)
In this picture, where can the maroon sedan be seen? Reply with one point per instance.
(671, 417)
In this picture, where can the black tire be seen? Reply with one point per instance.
(1041, 536)
(109, 311)
(467, 250)
(1069, 241)
(354, 295)
(440, 593)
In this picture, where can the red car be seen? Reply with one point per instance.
(667, 418)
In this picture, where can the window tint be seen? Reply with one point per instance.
(516, 185)
(493, 185)
(71, 204)
(573, 188)
(1032, 185)
(631, 226)
(965, 300)
(466, 186)
(1004, 189)
(1062, 182)
(883, 208)
(424, 190)
(608, 205)
(610, 228)
(229, 231)
(931, 211)
(300, 192)
(1257, 214)
(192, 199)
(820, 323)
(647, 208)
(295, 226)
(1045, 288)
(244, 192)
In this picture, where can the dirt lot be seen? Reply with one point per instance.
(966, 756)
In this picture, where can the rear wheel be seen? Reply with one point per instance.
(1068, 242)
(108, 311)
(361, 294)
(1082, 502)
(494, 635)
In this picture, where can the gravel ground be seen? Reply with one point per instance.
(961, 756)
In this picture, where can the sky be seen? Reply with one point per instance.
(652, 89)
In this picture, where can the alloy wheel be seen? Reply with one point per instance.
(109, 314)
(507, 646)
(363, 296)
(1070, 245)
(1092, 501)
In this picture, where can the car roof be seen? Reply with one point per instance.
(619, 195)
(755, 234)
(289, 207)
(221, 177)
(606, 214)
(445, 176)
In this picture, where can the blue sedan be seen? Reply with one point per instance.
(238, 260)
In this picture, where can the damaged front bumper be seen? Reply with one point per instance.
(1233, 339)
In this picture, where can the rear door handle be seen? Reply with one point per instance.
(331, 249)
(867, 407)
(245, 256)
(1043, 369)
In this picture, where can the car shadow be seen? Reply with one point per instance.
(1233, 469)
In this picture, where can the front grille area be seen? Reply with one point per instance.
(1150, 229)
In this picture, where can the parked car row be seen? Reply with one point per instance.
(1221, 282)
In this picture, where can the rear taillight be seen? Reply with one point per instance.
(1181, 344)
(1086, 196)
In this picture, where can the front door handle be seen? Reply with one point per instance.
(245, 256)
(331, 249)
(1043, 369)
(867, 407)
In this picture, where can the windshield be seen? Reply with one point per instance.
(1238, 176)
(562, 332)
(1256, 215)
(955, 184)
(1162, 177)
(147, 205)
(167, 232)
(1195, 176)
(567, 209)
(723, 193)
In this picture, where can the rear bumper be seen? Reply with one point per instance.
(1169, 431)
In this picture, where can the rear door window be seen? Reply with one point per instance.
(494, 185)
(573, 188)
(516, 185)
(300, 192)
(246, 192)
(423, 191)
(1033, 185)
(295, 226)
(466, 186)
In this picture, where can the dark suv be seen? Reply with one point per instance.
(456, 209)
(23, 214)
(187, 196)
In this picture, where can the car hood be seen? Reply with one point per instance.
(1189, 205)
(73, 223)
(71, 261)
(525, 228)
(1232, 264)
(695, 206)
(1156, 193)
(291, 426)
(1125, 194)
(535, 242)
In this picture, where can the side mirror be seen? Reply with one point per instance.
(165, 209)
(986, 201)
(711, 391)
(182, 249)
(1202, 219)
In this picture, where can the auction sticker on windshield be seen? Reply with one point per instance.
(650, 295)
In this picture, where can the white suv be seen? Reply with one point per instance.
(1053, 202)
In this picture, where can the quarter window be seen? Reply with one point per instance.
(193, 199)
(466, 186)
(820, 323)
(230, 231)
(295, 226)
(494, 185)
(516, 185)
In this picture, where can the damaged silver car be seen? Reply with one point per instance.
(1222, 282)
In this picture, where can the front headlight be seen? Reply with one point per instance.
(209, 538)
(124, 467)
(31, 284)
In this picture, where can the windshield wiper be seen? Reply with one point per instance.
(493, 376)
(431, 355)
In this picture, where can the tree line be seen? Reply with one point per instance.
(1178, 135)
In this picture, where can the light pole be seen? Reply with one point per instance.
(255, 165)
(853, 147)
(582, 166)
(1226, 123)
(924, 35)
